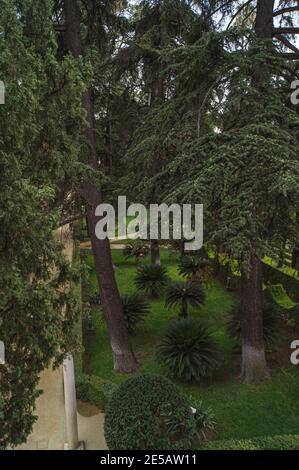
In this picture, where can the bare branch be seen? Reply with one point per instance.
(287, 43)
(285, 10)
(289, 30)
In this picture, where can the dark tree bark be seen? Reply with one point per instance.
(254, 365)
(157, 96)
(295, 258)
(155, 253)
(124, 359)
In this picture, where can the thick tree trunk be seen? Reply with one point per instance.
(124, 359)
(155, 253)
(254, 366)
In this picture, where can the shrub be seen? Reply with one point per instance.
(188, 351)
(136, 308)
(92, 389)
(136, 248)
(271, 316)
(184, 294)
(152, 279)
(148, 412)
(95, 298)
(204, 419)
(195, 267)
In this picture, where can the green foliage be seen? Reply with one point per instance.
(275, 276)
(284, 442)
(94, 298)
(204, 419)
(188, 351)
(184, 294)
(148, 412)
(195, 267)
(152, 279)
(41, 124)
(272, 314)
(136, 248)
(92, 389)
(136, 309)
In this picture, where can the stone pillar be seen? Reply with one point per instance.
(70, 403)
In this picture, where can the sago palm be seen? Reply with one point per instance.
(184, 294)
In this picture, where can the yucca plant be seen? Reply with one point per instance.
(185, 294)
(188, 351)
(152, 279)
(136, 309)
(195, 267)
(271, 316)
(137, 249)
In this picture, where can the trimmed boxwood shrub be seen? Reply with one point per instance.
(148, 412)
(94, 390)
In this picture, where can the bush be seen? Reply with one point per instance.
(204, 419)
(195, 267)
(136, 308)
(136, 248)
(184, 294)
(271, 316)
(95, 298)
(188, 351)
(152, 279)
(93, 390)
(148, 412)
(290, 283)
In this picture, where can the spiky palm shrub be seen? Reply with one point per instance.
(152, 279)
(271, 316)
(195, 267)
(185, 294)
(188, 351)
(137, 249)
(136, 309)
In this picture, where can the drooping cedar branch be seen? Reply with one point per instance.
(246, 4)
(287, 43)
(285, 30)
(282, 11)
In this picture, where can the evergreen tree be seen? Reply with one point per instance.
(37, 312)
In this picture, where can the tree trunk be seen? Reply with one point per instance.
(155, 253)
(184, 310)
(254, 366)
(124, 359)
(295, 258)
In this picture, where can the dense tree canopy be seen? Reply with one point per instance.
(165, 101)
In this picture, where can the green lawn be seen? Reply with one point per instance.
(241, 411)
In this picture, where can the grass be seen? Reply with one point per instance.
(241, 411)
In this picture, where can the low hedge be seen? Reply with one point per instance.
(224, 267)
(283, 442)
(273, 275)
(94, 390)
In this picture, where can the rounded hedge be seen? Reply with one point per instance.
(148, 412)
